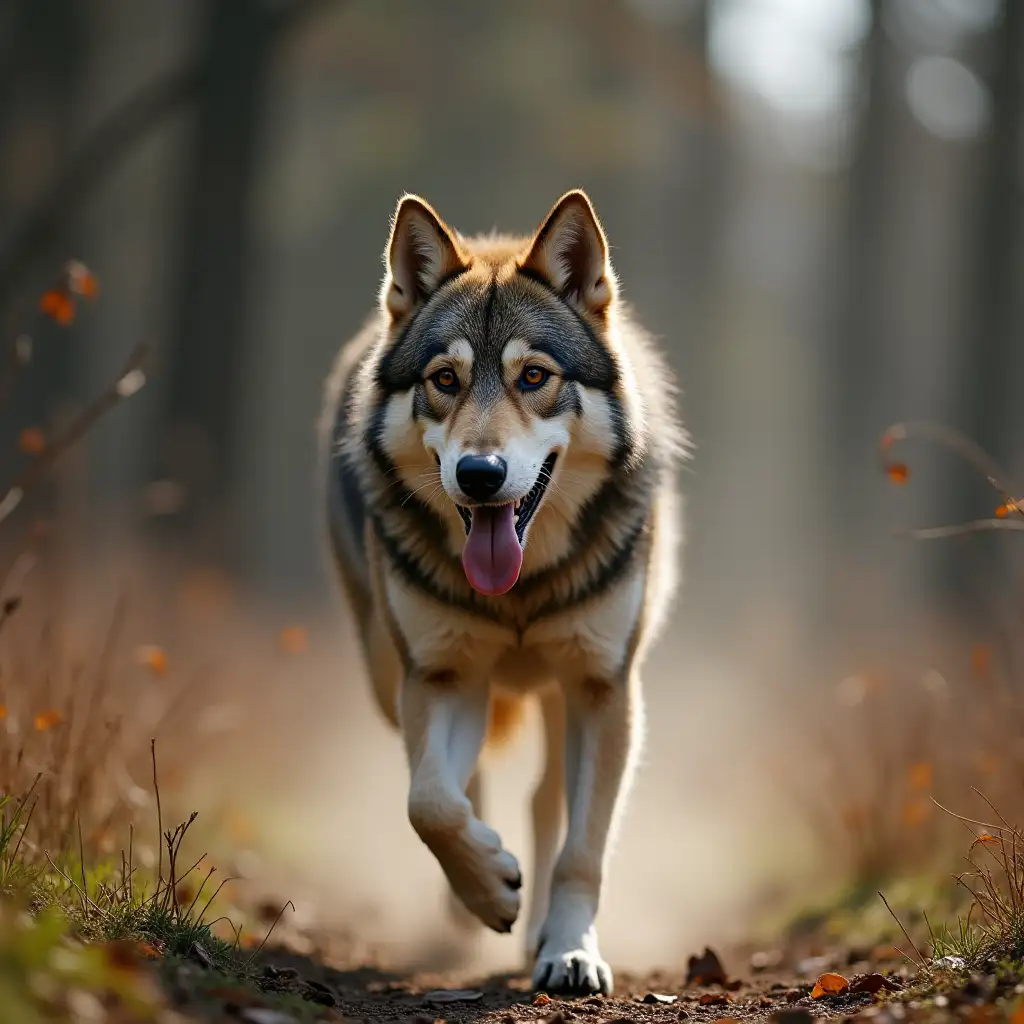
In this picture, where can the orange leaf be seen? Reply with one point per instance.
(293, 640)
(920, 775)
(898, 472)
(916, 812)
(854, 816)
(32, 441)
(46, 720)
(239, 827)
(981, 660)
(81, 280)
(59, 305)
(154, 658)
(829, 985)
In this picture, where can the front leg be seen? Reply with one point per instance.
(444, 722)
(603, 730)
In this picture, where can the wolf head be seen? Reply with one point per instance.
(506, 401)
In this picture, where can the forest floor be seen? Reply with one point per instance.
(839, 983)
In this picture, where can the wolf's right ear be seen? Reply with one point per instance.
(421, 253)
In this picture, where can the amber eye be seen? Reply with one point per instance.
(446, 380)
(533, 377)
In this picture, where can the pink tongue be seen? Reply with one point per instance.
(492, 556)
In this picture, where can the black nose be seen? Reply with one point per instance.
(481, 476)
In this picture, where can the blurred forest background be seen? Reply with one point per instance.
(817, 206)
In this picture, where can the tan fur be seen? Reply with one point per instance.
(450, 666)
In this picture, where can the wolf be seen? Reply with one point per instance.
(499, 449)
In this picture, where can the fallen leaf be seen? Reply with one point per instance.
(705, 969)
(58, 305)
(81, 280)
(920, 775)
(829, 984)
(981, 660)
(46, 720)
(154, 658)
(32, 441)
(916, 812)
(873, 983)
(658, 997)
(463, 995)
(715, 999)
(898, 473)
(293, 640)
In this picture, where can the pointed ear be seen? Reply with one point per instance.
(571, 253)
(421, 253)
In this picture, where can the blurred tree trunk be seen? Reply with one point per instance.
(207, 335)
(994, 356)
(859, 356)
(42, 56)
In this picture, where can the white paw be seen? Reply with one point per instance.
(573, 972)
(484, 876)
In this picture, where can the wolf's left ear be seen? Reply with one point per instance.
(571, 253)
(421, 253)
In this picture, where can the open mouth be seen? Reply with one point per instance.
(493, 554)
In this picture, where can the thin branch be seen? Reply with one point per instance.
(75, 885)
(159, 819)
(111, 140)
(913, 944)
(960, 529)
(129, 380)
(954, 441)
(266, 937)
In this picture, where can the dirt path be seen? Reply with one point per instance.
(354, 992)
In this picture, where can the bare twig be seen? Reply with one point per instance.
(146, 110)
(960, 529)
(266, 938)
(159, 819)
(913, 944)
(130, 380)
(85, 896)
(954, 441)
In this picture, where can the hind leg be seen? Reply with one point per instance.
(547, 809)
(384, 667)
